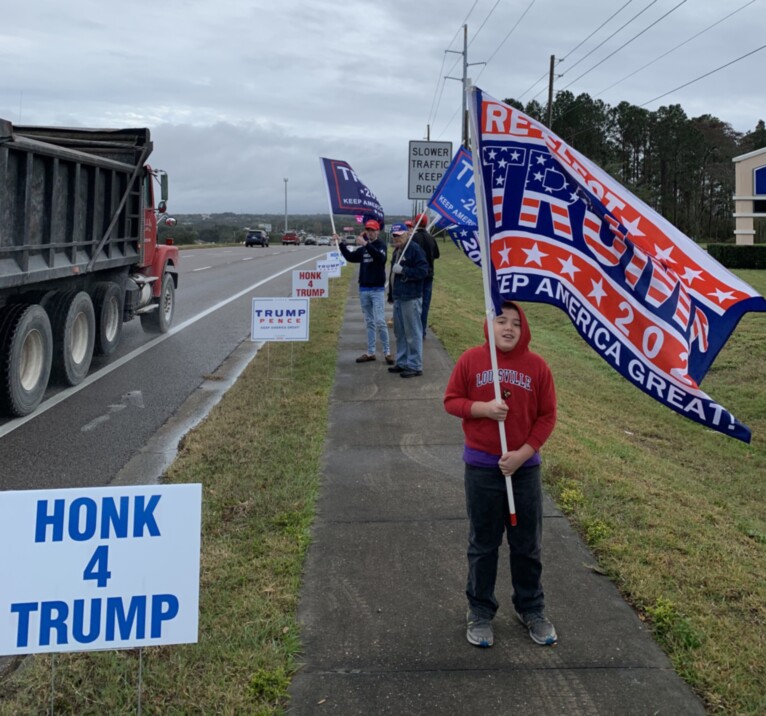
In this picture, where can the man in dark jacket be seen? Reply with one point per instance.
(423, 238)
(408, 269)
(371, 255)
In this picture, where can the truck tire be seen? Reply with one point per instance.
(159, 321)
(25, 364)
(74, 336)
(108, 301)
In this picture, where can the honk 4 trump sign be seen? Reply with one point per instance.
(99, 568)
(310, 284)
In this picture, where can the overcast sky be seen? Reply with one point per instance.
(240, 94)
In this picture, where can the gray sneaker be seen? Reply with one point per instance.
(541, 631)
(479, 630)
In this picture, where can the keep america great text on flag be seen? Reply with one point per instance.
(644, 296)
(347, 192)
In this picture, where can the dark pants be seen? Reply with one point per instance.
(428, 287)
(487, 505)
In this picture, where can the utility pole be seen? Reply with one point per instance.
(464, 116)
(550, 92)
(464, 81)
(285, 204)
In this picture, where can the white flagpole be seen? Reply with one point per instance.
(485, 259)
(409, 238)
(329, 200)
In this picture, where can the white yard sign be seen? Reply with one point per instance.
(280, 319)
(331, 267)
(310, 284)
(337, 256)
(99, 568)
(427, 163)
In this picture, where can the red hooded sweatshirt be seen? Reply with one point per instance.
(526, 385)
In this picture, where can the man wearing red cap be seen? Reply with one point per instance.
(371, 254)
(423, 238)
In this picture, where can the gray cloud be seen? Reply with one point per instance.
(241, 94)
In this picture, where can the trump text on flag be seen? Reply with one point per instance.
(454, 199)
(347, 193)
(560, 230)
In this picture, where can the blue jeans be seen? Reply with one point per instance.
(428, 287)
(488, 514)
(374, 310)
(408, 330)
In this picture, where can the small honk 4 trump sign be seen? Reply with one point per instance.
(99, 568)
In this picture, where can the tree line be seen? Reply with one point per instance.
(680, 166)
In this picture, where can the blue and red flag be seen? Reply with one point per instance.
(645, 297)
(347, 192)
(454, 198)
(454, 203)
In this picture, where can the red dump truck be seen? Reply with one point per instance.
(78, 253)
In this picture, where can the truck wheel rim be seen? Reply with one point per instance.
(167, 303)
(112, 311)
(80, 335)
(32, 360)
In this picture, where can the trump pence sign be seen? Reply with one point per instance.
(280, 319)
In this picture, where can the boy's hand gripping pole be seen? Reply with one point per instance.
(481, 217)
(501, 426)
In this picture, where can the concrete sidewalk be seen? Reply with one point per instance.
(383, 605)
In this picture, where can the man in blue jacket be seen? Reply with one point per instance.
(371, 254)
(409, 267)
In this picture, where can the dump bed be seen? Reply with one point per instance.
(71, 201)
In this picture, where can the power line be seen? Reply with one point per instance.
(673, 49)
(696, 79)
(625, 44)
(601, 44)
(510, 32)
(579, 45)
(707, 74)
(595, 31)
(440, 79)
(476, 34)
(532, 86)
(571, 109)
(469, 44)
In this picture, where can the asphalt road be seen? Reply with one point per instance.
(83, 436)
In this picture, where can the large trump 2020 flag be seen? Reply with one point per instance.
(645, 297)
(348, 194)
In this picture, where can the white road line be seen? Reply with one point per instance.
(202, 268)
(250, 258)
(60, 397)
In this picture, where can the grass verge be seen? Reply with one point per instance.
(673, 511)
(258, 458)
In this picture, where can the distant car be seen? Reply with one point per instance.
(349, 240)
(324, 241)
(257, 237)
(290, 238)
(311, 241)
